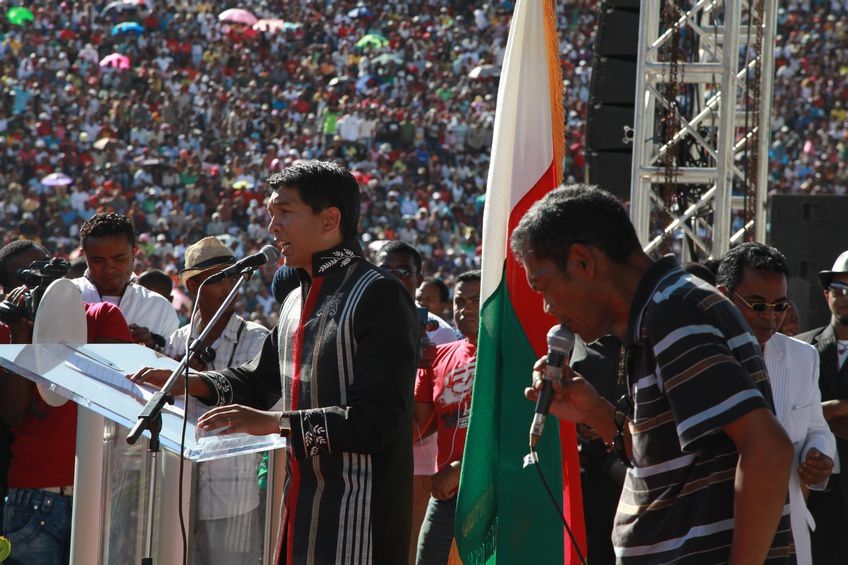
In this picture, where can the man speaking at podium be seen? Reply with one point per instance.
(341, 363)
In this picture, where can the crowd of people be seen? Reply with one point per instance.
(207, 110)
(183, 139)
(810, 107)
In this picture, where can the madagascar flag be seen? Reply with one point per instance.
(503, 514)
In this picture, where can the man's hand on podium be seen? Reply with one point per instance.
(157, 378)
(236, 418)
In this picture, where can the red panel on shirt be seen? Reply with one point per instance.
(447, 385)
(44, 445)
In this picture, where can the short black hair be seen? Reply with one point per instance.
(444, 291)
(701, 271)
(155, 278)
(750, 255)
(322, 185)
(576, 213)
(8, 279)
(285, 280)
(472, 275)
(402, 247)
(107, 225)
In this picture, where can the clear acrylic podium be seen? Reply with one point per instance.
(110, 479)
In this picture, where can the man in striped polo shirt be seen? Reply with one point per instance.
(710, 463)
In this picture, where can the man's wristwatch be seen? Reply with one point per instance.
(284, 422)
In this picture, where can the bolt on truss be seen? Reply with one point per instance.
(703, 96)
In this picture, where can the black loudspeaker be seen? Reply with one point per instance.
(810, 231)
(612, 93)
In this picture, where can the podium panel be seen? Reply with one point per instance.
(226, 485)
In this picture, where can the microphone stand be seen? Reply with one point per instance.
(150, 418)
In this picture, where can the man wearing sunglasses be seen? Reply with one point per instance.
(754, 277)
(830, 508)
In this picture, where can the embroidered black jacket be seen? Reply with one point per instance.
(342, 360)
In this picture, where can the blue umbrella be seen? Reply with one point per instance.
(127, 27)
(360, 11)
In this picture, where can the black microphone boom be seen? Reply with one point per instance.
(560, 344)
(267, 254)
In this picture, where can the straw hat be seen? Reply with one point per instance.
(206, 254)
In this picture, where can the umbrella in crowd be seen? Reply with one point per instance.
(484, 71)
(361, 11)
(243, 184)
(271, 25)
(116, 61)
(154, 162)
(18, 16)
(336, 81)
(387, 58)
(372, 40)
(106, 142)
(127, 27)
(237, 16)
(56, 179)
(119, 6)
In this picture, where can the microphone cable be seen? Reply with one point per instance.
(183, 529)
(532, 458)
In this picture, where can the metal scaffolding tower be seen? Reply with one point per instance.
(701, 126)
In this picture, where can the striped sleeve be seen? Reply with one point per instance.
(708, 378)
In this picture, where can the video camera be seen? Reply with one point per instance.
(37, 277)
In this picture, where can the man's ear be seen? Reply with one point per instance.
(724, 290)
(582, 259)
(331, 218)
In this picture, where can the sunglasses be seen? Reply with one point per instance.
(838, 289)
(401, 272)
(764, 306)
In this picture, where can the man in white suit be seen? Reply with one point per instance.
(754, 277)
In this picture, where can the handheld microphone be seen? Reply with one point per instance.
(267, 254)
(560, 344)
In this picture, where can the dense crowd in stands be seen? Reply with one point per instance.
(207, 110)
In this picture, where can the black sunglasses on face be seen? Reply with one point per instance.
(763, 306)
(838, 289)
(401, 272)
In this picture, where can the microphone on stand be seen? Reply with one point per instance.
(267, 254)
(560, 344)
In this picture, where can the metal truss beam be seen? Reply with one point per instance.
(694, 194)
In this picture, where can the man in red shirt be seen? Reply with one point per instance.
(444, 392)
(37, 513)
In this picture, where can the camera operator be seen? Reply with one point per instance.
(41, 473)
